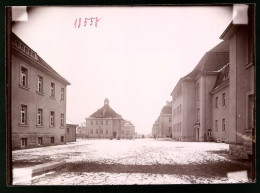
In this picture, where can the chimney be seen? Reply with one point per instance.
(106, 102)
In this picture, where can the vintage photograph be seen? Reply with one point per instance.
(124, 95)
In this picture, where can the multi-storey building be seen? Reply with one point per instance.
(162, 127)
(38, 99)
(220, 106)
(128, 130)
(105, 123)
(155, 129)
(241, 111)
(191, 98)
(217, 99)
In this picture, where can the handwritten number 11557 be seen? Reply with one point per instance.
(80, 22)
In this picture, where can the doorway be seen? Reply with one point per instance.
(114, 135)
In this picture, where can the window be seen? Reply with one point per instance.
(198, 115)
(91, 122)
(170, 129)
(62, 139)
(101, 122)
(216, 102)
(223, 99)
(39, 140)
(62, 94)
(106, 131)
(106, 122)
(40, 84)
(68, 130)
(101, 131)
(170, 120)
(24, 77)
(23, 114)
(96, 131)
(198, 91)
(52, 139)
(52, 89)
(39, 117)
(216, 125)
(62, 120)
(209, 133)
(96, 122)
(52, 118)
(91, 131)
(23, 142)
(223, 125)
(250, 111)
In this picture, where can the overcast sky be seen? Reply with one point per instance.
(134, 56)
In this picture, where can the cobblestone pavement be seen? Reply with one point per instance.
(140, 161)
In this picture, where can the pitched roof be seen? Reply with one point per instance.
(212, 60)
(223, 77)
(105, 112)
(37, 59)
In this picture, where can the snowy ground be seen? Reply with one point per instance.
(140, 161)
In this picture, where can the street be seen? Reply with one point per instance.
(139, 161)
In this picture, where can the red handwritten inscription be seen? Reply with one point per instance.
(83, 22)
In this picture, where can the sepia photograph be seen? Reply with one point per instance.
(131, 95)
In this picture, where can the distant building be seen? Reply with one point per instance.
(106, 123)
(71, 132)
(155, 129)
(38, 99)
(163, 125)
(81, 131)
(128, 130)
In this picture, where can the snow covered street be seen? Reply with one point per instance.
(139, 161)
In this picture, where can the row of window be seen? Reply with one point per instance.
(24, 83)
(177, 111)
(24, 117)
(223, 125)
(101, 122)
(223, 100)
(177, 127)
(24, 141)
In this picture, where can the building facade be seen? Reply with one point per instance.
(241, 111)
(191, 98)
(38, 99)
(162, 127)
(105, 123)
(71, 132)
(216, 101)
(128, 130)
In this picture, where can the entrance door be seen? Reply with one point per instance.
(114, 135)
(197, 134)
